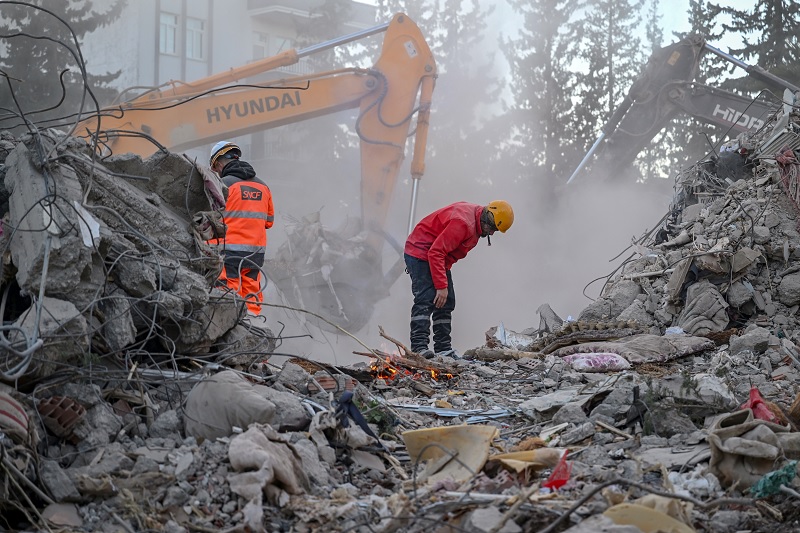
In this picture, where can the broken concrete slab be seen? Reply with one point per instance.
(48, 236)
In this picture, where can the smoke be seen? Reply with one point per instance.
(559, 243)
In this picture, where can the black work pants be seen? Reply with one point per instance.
(423, 309)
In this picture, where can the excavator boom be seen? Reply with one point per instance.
(389, 95)
(666, 89)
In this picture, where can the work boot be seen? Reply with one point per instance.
(449, 353)
(427, 353)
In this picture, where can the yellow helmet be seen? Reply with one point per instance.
(222, 148)
(503, 214)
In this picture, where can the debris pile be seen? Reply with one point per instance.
(135, 397)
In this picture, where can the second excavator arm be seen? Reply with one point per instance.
(665, 89)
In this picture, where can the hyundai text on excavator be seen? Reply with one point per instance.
(663, 90)
(339, 277)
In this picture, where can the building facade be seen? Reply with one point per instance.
(157, 42)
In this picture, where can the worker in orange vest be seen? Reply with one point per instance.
(248, 214)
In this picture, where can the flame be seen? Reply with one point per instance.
(437, 376)
(386, 369)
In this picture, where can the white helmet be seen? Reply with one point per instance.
(222, 148)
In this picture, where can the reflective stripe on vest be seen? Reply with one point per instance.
(249, 214)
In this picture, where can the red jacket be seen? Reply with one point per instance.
(444, 237)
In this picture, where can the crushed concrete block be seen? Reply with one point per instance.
(738, 294)
(165, 306)
(100, 422)
(609, 306)
(637, 312)
(167, 424)
(200, 330)
(243, 346)
(171, 178)
(572, 413)
(761, 235)
(710, 393)
(64, 331)
(134, 276)
(581, 432)
(295, 376)
(118, 328)
(57, 482)
(317, 473)
(163, 225)
(668, 422)
(486, 519)
(191, 287)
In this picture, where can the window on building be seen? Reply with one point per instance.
(260, 45)
(168, 32)
(266, 45)
(195, 33)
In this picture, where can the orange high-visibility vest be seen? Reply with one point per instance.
(248, 214)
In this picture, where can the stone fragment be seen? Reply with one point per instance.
(572, 413)
(167, 424)
(486, 520)
(788, 291)
(609, 306)
(57, 482)
(294, 376)
(63, 330)
(755, 340)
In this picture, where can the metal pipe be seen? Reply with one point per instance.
(315, 48)
(413, 209)
(754, 70)
(727, 57)
(589, 154)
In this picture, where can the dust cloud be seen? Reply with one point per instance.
(556, 247)
(559, 243)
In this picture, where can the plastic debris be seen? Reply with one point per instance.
(759, 407)
(771, 483)
(560, 475)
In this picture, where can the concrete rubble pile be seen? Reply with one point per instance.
(670, 404)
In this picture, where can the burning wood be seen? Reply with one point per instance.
(390, 366)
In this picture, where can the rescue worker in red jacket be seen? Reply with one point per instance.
(248, 214)
(436, 243)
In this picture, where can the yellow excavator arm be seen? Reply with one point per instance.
(398, 86)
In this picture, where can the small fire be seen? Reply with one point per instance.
(389, 370)
(437, 376)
